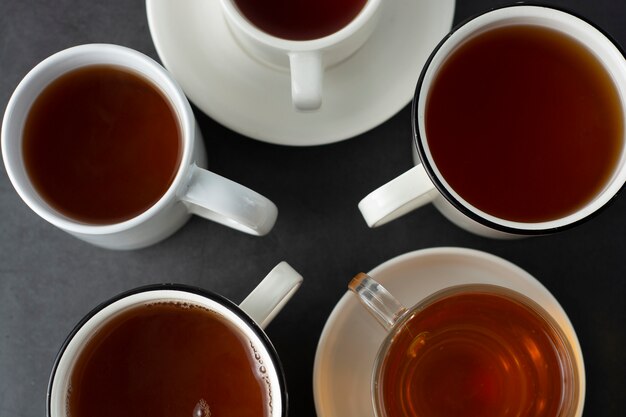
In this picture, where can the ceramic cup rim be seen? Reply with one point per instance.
(366, 13)
(462, 32)
(164, 292)
(574, 408)
(61, 63)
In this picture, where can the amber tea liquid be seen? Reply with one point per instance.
(524, 123)
(300, 19)
(168, 360)
(101, 144)
(474, 354)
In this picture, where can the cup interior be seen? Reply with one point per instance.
(366, 13)
(594, 40)
(53, 67)
(59, 383)
(571, 401)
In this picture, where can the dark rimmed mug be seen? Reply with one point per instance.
(249, 317)
(425, 183)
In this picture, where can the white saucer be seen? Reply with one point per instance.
(196, 46)
(351, 337)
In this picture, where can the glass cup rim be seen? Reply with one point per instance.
(602, 199)
(569, 356)
(183, 288)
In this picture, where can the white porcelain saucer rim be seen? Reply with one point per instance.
(340, 121)
(379, 273)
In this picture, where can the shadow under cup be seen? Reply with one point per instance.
(519, 121)
(476, 350)
(216, 390)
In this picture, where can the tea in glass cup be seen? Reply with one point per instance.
(470, 350)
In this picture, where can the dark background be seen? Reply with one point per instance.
(49, 280)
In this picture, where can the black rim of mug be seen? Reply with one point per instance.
(417, 139)
(184, 288)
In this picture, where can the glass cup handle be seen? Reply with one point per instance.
(378, 301)
(399, 196)
(229, 203)
(272, 293)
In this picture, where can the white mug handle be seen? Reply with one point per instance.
(306, 80)
(399, 196)
(224, 201)
(272, 293)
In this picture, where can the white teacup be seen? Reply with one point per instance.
(425, 182)
(194, 190)
(306, 60)
(249, 318)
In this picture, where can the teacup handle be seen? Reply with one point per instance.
(226, 202)
(399, 196)
(272, 293)
(377, 300)
(306, 80)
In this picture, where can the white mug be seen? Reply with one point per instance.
(425, 184)
(250, 317)
(193, 190)
(306, 60)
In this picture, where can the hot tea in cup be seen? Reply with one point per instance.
(470, 350)
(174, 356)
(175, 350)
(300, 19)
(102, 144)
(538, 123)
(518, 124)
(100, 141)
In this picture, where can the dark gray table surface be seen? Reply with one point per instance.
(49, 280)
